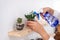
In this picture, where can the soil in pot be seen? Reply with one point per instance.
(19, 26)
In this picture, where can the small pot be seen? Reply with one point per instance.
(30, 20)
(19, 26)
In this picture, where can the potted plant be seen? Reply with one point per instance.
(30, 16)
(19, 25)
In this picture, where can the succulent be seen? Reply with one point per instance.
(30, 16)
(19, 25)
(19, 20)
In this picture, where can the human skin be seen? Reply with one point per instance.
(50, 10)
(37, 27)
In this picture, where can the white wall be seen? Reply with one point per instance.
(11, 9)
(56, 5)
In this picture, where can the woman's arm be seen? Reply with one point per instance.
(37, 27)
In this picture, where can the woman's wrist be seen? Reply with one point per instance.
(44, 34)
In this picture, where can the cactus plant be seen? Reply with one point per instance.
(19, 26)
(30, 16)
(19, 20)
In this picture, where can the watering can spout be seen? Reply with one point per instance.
(37, 14)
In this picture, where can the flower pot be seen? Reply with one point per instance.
(30, 20)
(19, 26)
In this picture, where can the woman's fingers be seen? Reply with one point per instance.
(30, 25)
(42, 16)
(30, 22)
(50, 10)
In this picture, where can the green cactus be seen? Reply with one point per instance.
(30, 16)
(19, 20)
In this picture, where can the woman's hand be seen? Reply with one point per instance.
(50, 10)
(35, 26)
